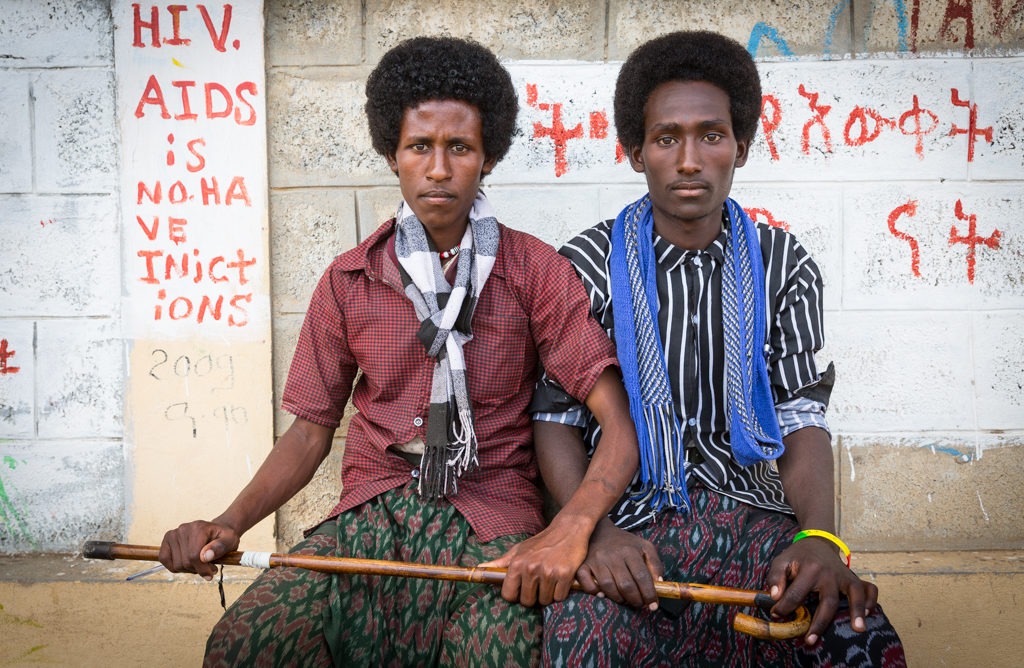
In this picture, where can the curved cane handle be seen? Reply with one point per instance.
(765, 630)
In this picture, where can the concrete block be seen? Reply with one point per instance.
(998, 339)
(374, 206)
(919, 492)
(17, 379)
(612, 198)
(15, 132)
(995, 100)
(900, 371)
(767, 29)
(815, 218)
(536, 29)
(990, 27)
(80, 379)
(75, 131)
(933, 247)
(285, 336)
(553, 214)
(310, 228)
(61, 258)
(846, 121)
(55, 496)
(56, 34)
(316, 130)
(314, 32)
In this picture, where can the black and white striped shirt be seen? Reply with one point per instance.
(690, 323)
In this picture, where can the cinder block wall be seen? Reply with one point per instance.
(889, 145)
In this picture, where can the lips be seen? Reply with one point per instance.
(437, 196)
(689, 188)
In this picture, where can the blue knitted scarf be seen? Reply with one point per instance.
(753, 427)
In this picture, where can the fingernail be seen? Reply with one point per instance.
(812, 639)
(600, 594)
(652, 607)
(775, 591)
(208, 555)
(207, 577)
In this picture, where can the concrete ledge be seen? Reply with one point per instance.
(951, 608)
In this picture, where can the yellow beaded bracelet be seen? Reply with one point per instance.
(827, 536)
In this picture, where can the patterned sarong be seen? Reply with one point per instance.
(723, 542)
(294, 617)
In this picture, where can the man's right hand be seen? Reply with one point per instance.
(621, 566)
(192, 547)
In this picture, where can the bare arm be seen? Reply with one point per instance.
(542, 568)
(814, 564)
(619, 564)
(286, 470)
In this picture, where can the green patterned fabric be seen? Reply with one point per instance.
(294, 617)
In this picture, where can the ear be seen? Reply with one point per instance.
(742, 151)
(488, 166)
(636, 159)
(392, 163)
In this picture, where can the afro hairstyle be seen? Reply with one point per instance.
(687, 56)
(441, 68)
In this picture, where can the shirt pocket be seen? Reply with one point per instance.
(500, 358)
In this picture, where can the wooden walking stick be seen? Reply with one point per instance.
(744, 623)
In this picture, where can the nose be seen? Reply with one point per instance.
(688, 158)
(439, 168)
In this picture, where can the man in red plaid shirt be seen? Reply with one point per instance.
(442, 318)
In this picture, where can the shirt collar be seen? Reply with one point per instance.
(670, 256)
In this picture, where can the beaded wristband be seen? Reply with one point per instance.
(827, 536)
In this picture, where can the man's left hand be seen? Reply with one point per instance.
(814, 565)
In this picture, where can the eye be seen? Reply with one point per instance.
(665, 140)
(418, 147)
(460, 148)
(713, 137)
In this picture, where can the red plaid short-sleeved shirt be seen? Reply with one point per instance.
(533, 312)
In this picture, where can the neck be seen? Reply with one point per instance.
(448, 238)
(689, 234)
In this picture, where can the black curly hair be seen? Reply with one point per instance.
(687, 56)
(441, 68)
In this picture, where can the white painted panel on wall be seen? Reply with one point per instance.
(191, 108)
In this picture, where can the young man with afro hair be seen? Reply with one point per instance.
(716, 321)
(442, 319)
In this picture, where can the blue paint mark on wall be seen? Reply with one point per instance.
(901, 23)
(764, 31)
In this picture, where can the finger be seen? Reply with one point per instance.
(855, 595)
(609, 587)
(653, 560)
(562, 588)
(640, 589)
(871, 599)
(777, 578)
(511, 588)
(823, 616)
(588, 583)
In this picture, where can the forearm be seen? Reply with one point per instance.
(613, 464)
(808, 478)
(290, 465)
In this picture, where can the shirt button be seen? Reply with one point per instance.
(415, 473)
(418, 421)
(691, 421)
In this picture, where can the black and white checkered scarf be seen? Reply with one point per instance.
(445, 313)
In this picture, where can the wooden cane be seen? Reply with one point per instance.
(744, 623)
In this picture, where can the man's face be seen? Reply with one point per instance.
(688, 155)
(440, 161)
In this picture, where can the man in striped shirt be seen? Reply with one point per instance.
(716, 322)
